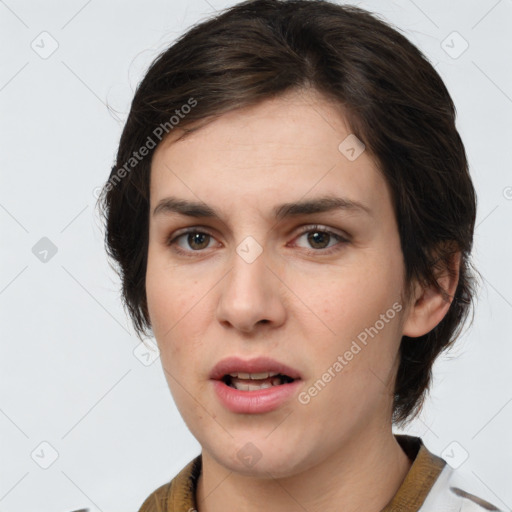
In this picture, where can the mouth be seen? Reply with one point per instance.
(260, 371)
(254, 386)
(255, 381)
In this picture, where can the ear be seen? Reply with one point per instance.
(429, 305)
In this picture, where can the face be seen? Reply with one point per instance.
(318, 291)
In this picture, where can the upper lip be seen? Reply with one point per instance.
(256, 365)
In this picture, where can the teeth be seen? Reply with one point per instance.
(254, 387)
(262, 375)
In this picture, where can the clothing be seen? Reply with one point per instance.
(431, 485)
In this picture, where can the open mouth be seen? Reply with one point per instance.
(255, 381)
(254, 386)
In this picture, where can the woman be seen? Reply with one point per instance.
(292, 215)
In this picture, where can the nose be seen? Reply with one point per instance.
(252, 294)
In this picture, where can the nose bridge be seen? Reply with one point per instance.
(250, 292)
(248, 278)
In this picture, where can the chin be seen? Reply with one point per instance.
(265, 468)
(262, 459)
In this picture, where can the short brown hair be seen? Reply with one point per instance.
(394, 100)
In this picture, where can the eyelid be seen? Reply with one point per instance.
(173, 237)
(343, 238)
(319, 227)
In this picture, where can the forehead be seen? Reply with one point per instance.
(285, 148)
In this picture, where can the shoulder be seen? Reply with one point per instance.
(157, 500)
(450, 493)
(178, 495)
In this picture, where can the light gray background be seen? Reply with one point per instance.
(70, 377)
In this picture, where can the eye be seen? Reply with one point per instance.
(319, 239)
(195, 240)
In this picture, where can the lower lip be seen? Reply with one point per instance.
(252, 402)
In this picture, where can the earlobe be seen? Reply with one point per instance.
(428, 305)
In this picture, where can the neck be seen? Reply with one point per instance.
(340, 482)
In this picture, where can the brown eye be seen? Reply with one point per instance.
(199, 239)
(190, 241)
(319, 239)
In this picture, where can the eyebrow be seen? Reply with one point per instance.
(170, 205)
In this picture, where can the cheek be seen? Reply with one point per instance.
(361, 306)
(176, 308)
(351, 298)
(166, 297)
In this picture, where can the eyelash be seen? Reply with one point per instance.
(171, 241)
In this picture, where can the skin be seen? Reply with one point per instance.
(323, 455)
